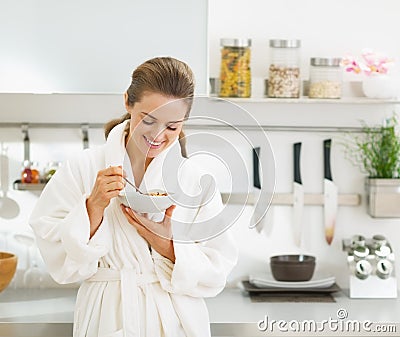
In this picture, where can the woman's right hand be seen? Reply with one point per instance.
(109, 183)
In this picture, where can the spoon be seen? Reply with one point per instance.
(133, 185)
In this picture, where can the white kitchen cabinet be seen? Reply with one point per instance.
(93, 46)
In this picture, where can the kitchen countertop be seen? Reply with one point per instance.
(49, 312)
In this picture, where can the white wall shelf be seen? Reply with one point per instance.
(272, 114)
(306, 100)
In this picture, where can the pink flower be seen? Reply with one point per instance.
(373, 63)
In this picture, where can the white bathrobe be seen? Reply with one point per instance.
(128, 289)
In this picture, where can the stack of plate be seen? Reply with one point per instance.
(320, 282)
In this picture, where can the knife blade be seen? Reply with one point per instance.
(330, 194)
(298, 195)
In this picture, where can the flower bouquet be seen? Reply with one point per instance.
(377, 83)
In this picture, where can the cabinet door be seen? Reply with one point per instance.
(93, 46)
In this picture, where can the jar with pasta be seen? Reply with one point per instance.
(284, 70)
(235, 74)
(325, 78)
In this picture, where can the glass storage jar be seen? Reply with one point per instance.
(50, 170)
(284, 70)
(235, 73)
(30, 173)
(325, 78)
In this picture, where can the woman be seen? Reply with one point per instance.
(136, 280)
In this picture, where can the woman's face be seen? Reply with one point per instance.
(156, 122)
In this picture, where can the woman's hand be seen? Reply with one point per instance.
(157, 234)
(109, 183)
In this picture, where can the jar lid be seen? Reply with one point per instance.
(235, 42)
(361, 252)
(325, 61)
(276, 43)
(383, 251)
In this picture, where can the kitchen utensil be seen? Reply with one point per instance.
(378, 240)
(357, 241)
(292, 267)
(363, 269)
(133, 185)
(382, 252)
(260, 221)
(330, 194)
(255, 288)
(298, 195)
(33, 275)
(146, 203)
(360, 253)
(319, 279)
(384, 269)
(8, 207)
(371, 267)
(8, 266)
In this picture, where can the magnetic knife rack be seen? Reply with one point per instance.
(284, 199)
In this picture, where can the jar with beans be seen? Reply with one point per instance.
(284, 70)
(235, 74)
(325, 78)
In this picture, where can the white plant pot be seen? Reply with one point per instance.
(383, 197)
(380, 86)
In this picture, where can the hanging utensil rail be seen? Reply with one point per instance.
(188, 125)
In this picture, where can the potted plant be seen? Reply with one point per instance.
(377, 153)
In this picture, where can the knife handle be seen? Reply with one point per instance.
(296, 162)
(327, 159)
(256, 167)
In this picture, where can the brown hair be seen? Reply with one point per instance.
(163, 75)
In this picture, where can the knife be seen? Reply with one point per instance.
(298, 195)
(330, 194)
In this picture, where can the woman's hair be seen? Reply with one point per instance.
(163, 75)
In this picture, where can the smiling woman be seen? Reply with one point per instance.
(138, 278)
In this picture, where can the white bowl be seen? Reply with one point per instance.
(145, 203)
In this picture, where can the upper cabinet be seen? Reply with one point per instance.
(93, 46)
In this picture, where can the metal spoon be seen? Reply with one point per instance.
(133, 185)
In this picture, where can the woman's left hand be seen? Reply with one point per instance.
(157, 234)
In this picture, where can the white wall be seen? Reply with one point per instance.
(326, 29)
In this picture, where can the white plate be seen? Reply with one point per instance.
(144, 203)
(319, 280)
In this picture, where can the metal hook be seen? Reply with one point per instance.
(85, 135)
(25, 132)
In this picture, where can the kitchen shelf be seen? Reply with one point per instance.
(306, 100)
(18, 185)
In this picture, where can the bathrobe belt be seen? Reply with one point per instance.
(130, 281)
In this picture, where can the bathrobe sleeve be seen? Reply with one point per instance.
(200, 269)
(62, 227)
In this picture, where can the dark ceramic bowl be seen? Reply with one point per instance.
(292, 267)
